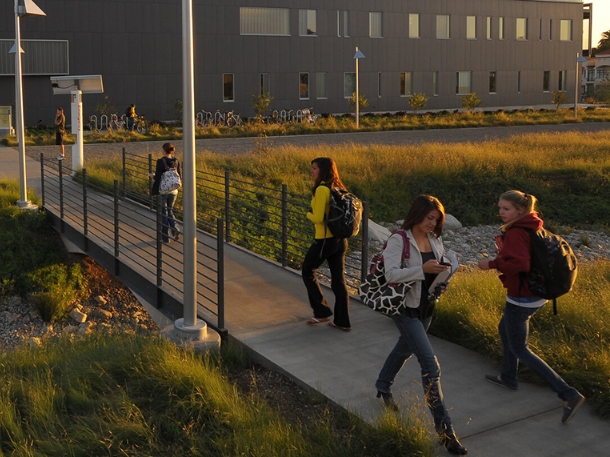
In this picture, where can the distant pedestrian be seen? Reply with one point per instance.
(326, 246)
(423, 226)
(518, 212)
(131, 115)
(167, 200)
(60, 131)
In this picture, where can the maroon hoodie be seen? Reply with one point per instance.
(514, 255)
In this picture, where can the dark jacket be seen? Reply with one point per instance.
(163, 164)
(515, 254)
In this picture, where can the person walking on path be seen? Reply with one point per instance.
(167, 200)
(60, 131)
(518, 213)
(423, 226)
(326, 246)
(131, 115)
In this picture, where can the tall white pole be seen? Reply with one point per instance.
(23, 201)
(357, 94)
(188, 191)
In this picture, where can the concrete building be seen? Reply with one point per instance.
(509, 52)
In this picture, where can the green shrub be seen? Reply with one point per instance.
(54, 287)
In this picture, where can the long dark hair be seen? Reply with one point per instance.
(328, 174)
(420, 208)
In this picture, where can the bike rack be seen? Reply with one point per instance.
(103, 122)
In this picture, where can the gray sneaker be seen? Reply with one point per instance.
(497, 380)
(570, 407)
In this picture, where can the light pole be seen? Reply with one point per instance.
(22, 8)
(579, 59)
(358, 56)
(189, 327)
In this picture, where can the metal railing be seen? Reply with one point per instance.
(268, 221)
(117, 228)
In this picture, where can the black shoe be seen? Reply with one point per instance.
(570, 407)
(497, 380)
(388, 400)
(452, 444)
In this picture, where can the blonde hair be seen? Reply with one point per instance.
(519, 200)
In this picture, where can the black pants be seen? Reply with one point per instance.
(333, 252)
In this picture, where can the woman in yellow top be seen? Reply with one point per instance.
(325, 176)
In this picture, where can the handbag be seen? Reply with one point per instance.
(170, 181)
(379, 295)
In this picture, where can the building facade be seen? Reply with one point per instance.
(509, 52)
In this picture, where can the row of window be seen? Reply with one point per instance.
(463, 84)
(276, 21)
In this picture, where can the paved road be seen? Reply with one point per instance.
(402, 137)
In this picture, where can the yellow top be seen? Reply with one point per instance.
(320, 205)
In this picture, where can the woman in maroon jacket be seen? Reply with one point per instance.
(518, 212)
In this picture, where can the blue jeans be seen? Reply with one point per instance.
(167, 213)
(414, 340)
(514, 331)
(333, 252)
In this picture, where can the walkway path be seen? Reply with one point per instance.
(267, 308)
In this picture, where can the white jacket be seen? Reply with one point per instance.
(412, 269)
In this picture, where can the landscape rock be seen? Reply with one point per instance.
(78, 316)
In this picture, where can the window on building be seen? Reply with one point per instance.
(228, 94)
(375, 24)
(522, 28)
(565, 31)
(471, 27)
(379, 84)
(442, 26)
(413, 25)
(489, 27)
(303, 86)
(265, 85)
(519, 81)
(264, 21)
(349, 84)
(500, 28)
(562, 84)
(492, 82)
(321, 85)
(546, 81)
(307, 22)
(435, 83)
(41, 57)
(463, 83)
(550, 29)
(406, 84)
(343, 23)
(540, 31)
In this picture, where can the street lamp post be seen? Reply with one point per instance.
(579, 60)
(358, 56)
(22, 8)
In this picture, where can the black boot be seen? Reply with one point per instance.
(453, 445)
(388, 400)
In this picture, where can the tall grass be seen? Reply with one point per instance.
(116, 394)
(568, 172)
(575, 342)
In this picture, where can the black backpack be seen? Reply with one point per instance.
(345, 214)
(553, 266)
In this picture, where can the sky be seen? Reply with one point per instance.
(601, 18)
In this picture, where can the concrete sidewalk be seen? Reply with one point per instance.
(266, 309)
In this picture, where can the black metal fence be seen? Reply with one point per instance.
(268, 221)
(116, 226)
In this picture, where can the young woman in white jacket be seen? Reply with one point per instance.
(423, 226)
